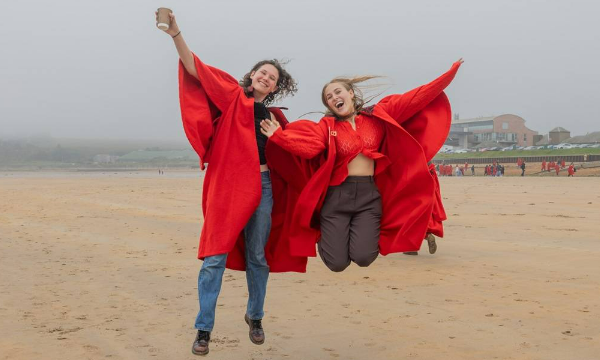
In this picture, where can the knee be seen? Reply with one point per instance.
(365, 260)
(256, 259)
(337, 266)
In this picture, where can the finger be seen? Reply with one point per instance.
(264, 132)
(276, 123)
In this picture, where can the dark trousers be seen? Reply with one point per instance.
(350, 223)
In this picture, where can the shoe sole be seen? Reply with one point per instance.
(432, 244)
(199, 353)
(250, 336)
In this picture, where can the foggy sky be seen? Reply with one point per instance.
(103, 70)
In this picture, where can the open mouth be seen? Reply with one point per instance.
(339, 105)
(263, 84)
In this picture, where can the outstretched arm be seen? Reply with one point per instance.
(402, 107)
(303, 138)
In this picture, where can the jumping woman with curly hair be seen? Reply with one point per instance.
(221, 118)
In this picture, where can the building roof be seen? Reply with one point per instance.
(590, 138)
(544, 141)
(559, 129)
(465, 121)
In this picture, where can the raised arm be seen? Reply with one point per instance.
(220, 87)
(402, 107)
(185, 54)
(303, 138)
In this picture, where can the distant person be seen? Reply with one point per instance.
(473, 170)
(557, 168)
(544, 165)
(562, 164)
(523, 168)
(571, 170)
(457, 171)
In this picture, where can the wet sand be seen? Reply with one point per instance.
(102, 266)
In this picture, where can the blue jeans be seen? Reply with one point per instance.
(210, 277)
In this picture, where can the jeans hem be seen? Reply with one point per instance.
(204, 329)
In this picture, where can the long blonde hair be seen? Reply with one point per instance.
(351, 84)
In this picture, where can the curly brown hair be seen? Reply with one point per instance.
(286, 85)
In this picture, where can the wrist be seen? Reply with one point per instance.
(176, 34)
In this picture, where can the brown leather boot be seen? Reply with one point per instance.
(411, 253)
(200, 346)
(431, 242)
(257, 335)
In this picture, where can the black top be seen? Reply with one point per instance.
(260, 113)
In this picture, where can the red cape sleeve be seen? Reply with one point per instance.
(424, 112)
(303, 138)
(402, 107)
(202, 101)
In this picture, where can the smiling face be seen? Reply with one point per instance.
(264, 80)
(339, 99)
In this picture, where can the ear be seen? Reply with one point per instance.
(351, 93)
(252, 74)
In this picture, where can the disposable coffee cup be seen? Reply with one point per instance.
(164, 20)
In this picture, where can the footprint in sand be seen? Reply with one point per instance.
(331, 352)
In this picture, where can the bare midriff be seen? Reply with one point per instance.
(264, 168)
(361, 166)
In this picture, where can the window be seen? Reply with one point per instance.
(481, 127)
(505, 126)
(524, 137)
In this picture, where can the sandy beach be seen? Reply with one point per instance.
(103, 266)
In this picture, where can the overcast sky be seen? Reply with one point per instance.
(101, 69)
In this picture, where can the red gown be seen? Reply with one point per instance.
(416, 125)
(218, 119)
(438, 214)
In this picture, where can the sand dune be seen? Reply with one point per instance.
(102, 265)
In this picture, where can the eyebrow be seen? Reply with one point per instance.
(334, 89)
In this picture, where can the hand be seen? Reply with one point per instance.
(268, 127)
(460, 61)
(173, 28)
